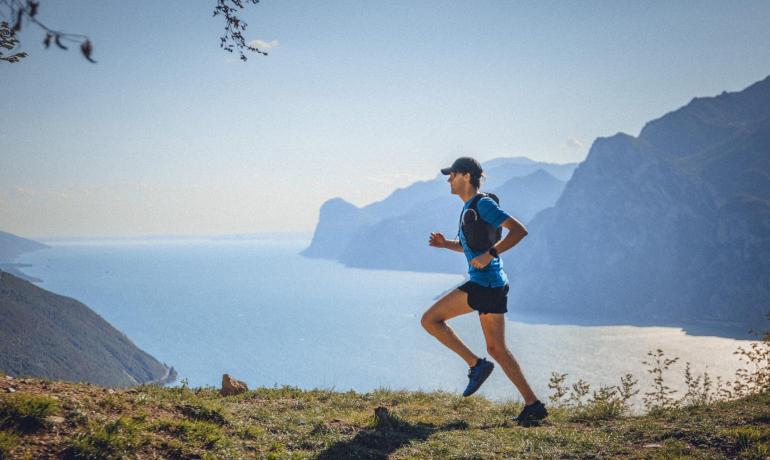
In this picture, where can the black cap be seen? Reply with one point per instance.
(464, 165)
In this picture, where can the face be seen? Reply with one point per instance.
(457, 181)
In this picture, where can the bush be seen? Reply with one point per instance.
(113, 440)
(662, 396)
(25, 412)
(198, 433)
(606, 403)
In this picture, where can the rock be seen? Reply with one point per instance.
(10, 390)
(55, 419)
(652, 446)
(8, 377)
(231, 386)
(111, 391)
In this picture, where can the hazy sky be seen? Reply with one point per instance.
(168, 134)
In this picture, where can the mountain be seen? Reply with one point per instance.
(401, 243)
(668, 227)
(46, 335)
(342, 227)
(12, 246)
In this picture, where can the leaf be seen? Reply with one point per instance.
(32, 8)
(47, 41)
(86, 49)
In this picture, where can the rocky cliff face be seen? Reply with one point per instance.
(670, 226)
(43, 334)
(393, 233)
(401, 243)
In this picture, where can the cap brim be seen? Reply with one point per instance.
(446, 171)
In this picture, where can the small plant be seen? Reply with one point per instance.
(755, 378)
(722, 390)
(24, 412)
(556, 383)
(662, 395)
(605, 403)
(579, 390)
(627, 389)
(698, 388)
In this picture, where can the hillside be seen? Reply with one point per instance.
(47, 335)
(12, 246)
(666, 228)
(44, 419)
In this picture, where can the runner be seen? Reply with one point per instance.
(486, 291)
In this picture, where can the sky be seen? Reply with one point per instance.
(169, 135)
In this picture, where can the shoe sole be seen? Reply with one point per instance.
(483, 379)
(530, 421)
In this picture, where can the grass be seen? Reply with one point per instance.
(107, 440)
(287, 422)
(25, 413)
(8, 441)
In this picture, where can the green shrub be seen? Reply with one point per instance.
(112, 440)
(206, 412)
(750, 441)
(662, 396)
(198, 433)
(25, 412)
(755, 377)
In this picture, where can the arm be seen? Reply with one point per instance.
(516, 233)
(437, 240)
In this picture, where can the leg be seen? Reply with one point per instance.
(434, 321)
(493, 325)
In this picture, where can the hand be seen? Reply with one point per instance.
(482, 260)
(437, 240)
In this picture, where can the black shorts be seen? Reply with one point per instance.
(486, 299)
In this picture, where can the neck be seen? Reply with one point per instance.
(467, 194)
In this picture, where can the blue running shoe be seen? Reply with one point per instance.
(477, 374)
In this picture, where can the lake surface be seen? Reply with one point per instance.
(257, 310)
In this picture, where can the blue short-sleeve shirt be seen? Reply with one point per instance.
(492, 275)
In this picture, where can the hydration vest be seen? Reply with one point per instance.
(479, 235)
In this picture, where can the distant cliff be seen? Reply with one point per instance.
(670, 226)
(401, 242)
(393, 233)
(12, 246)
(43, 334)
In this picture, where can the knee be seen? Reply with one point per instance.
(428, 322)
(496, 350)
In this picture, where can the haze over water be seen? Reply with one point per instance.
(257, 310)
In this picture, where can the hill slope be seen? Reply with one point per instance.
(12, 246)
(47, 335)
(665, 228)
(85, 421)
